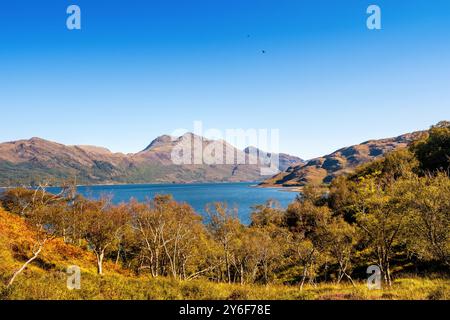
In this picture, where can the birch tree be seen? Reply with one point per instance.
(101, 224)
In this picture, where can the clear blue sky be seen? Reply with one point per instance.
(139, 69)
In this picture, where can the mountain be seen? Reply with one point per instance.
(324, 169)
(285, 160)
(32, 161)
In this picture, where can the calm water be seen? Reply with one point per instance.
(241, 195)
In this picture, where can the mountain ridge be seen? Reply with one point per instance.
(324, 169)
(27, 162)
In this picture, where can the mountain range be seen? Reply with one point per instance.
(324, 169)
(28, 162)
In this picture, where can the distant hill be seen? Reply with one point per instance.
(324, 169)
(285, 160)
(28, 162)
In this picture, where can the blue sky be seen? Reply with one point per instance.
(139, 69)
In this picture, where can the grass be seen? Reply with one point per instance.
(46, 279)
(52, 286)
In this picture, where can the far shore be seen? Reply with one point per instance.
(138, 184)
(255, 184)
(281, 187)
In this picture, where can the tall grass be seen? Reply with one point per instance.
(44, 285)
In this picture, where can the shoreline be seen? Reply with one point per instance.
(253, 184)
(281, 188)
(142, 184)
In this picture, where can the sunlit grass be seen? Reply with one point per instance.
(52, 285)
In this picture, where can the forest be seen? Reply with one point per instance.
(393, 213)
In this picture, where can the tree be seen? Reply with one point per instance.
(268, 223)
(223, 225)
(382, 223)
(268, 215)
(244, 255)
(308, 223)
(101, 224)
(433, 150)
(170, 236)
(341, 246)
(427, 201)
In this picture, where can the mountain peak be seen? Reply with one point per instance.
(38, 140)
(161, 140)
(191, 135)
(168, 140)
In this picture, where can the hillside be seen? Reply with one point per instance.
(46, 278)
(324, 169)
(31, 161)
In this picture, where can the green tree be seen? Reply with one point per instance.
(427, 201)
(341, 240)
(382, 223)
(308, 222)
(433, 150)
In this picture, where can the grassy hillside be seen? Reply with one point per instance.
(46, 278)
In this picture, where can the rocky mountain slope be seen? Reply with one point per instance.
(324, 169)
(28, 162)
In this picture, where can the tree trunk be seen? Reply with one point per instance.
(118, 256)
(266, 276)
(305, 273)
(25, 265)
(340, 276)
(388, 273)
(350, 279)
(100, 257)
(228, 267)
(343, 272)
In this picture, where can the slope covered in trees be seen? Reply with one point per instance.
(46, 277)
(392, 213)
